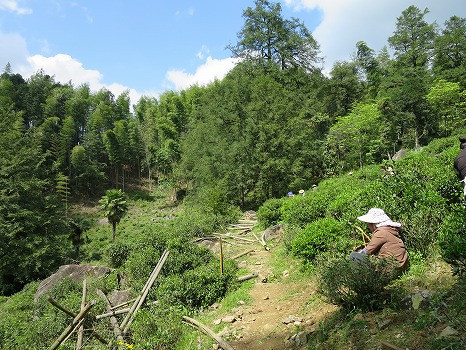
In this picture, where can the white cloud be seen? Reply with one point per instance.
(65, 68)
(14, 51)
(347, 22)
(12, 5)
(186, 12)
(206, 73)
(203, 52)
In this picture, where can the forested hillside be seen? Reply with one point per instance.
(276, 123)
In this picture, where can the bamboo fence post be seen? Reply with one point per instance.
(141, 300)
(72, 326)
(209, 332)
(221, 255)
(113, 320)
(79, 342)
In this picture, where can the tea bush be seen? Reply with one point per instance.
(199, 287)
(320, 236)
(269, 213)
(362, 285)
(453, 239)
(419, 195)
(117, 253)
(157, 327)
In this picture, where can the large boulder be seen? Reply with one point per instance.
(75, 272)
(273, 232)
(400, 154)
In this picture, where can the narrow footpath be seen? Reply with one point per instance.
(283, 307)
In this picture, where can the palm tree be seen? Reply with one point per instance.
(114, 206)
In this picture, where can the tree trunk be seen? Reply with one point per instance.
(114, 224)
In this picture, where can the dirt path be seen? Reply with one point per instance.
(281, 311)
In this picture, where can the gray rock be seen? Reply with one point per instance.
(229, 319)
(400, 154)
(301, 338)
(291, 319)
(384, 323)
(421, 299)
(75, 272)
(448, 332)
(273, 232)
(119, 296)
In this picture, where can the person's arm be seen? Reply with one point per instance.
(377, 241)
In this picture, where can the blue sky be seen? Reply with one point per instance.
(149, 46)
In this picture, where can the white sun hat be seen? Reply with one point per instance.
(377, 216)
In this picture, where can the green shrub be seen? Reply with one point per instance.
(199, 287)
(318, 237)
(269, 213)
(158, 327)
(361, 285)
(453, 240)
(117, 253)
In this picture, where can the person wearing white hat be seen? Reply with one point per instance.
(386, 241)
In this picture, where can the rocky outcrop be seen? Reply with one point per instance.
(75, 272)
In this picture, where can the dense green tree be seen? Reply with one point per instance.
(88, 176)
(79, 107)
(343, 89)
(267, 36)
(67, 142)
(33, 235)
(370, 67)
(450, 51)
(449, 105)
(114, 207)
(355, 139)
(409, 78)
(39, 88)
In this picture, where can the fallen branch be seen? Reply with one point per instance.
(388, 346)
(122, 304)
(209, 238)
(262, 242)
(243, 253)
(113, 320)
(206, 238)
(235, 237)
(79, 341)
(122, 311)
(245, 221)
(137, 304)
(59, 307)
(241, 226)
(209, 332)
(72, 326)
(72, 314)
(247, 277)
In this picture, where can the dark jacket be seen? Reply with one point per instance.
(386, 242)
(460, 164)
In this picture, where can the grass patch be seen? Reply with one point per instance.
(233, 299)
